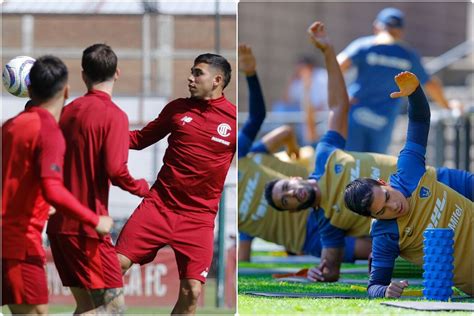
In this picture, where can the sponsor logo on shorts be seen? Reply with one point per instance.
(205, 272)
(338, 168)
(224, 129)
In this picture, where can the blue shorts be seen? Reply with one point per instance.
(312, 245)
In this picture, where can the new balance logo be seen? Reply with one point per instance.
(205, 272)
(186, 119)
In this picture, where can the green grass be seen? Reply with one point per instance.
(289, 265)
(249, 304)
(207, 309)
(68, 309)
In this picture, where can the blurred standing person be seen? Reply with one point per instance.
(378, 58)
(307, 92)
(96, 133)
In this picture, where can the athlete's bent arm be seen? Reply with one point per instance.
(411, 161)
(337, 94)
(251, 127)
(154, 130)
(329, 269)
(60, 198)
(116, 157)
(384, 252)
(282, 136)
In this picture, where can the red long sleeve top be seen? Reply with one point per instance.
(201, 145)
(32, 173)
(96, 133)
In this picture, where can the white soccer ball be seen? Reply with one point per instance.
(16, 75)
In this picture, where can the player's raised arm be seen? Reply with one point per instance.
(247, 61)
(248, 132)
(282, 136)
(338, 99)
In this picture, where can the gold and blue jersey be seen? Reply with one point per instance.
(341, 168)
(435, 205)
(256, 217)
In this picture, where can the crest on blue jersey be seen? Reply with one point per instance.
(425, 192)
(338, 168)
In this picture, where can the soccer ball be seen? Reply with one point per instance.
(16, 75)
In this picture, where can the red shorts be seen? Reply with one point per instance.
(149, 229)
(24, 281)
(86, 262)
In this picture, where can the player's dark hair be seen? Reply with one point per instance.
(218, 62)
(48, 76)
(268, 194)
(99, 63)
(358, 195)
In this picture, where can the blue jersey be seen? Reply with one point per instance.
(372, 115)
(376, 65)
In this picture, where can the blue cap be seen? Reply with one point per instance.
(391, 17)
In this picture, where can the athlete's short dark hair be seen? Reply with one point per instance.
(48, 76)
(358, 195)
(216, 61)
(99, 63)
(268, 194)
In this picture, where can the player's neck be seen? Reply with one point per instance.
(385, 37)
(106, 86)
(54, 107)
(214, 94)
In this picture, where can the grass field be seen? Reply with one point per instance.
(207, 309)
(68, 310)
(249, 304)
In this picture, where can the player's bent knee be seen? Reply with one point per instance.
(116, 306)
(42, 309)
(191, 289)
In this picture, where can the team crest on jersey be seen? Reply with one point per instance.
(186, 119)
(338, 168)
(425, 192)
(224, 129)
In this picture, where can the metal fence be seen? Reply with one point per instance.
(449, 143)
